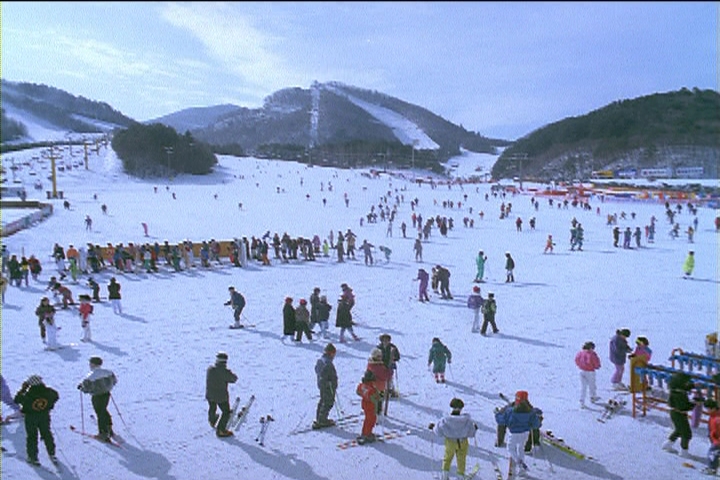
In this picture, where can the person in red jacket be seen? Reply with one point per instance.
(86, 309)
(370, 402)
(382, 374)
(713, 454)
(587, 361)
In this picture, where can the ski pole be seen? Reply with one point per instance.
(82, 413)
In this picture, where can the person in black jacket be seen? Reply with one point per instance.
(680, 385)
(114, 296)
(216, 393)
(288, 318)
(36, 400)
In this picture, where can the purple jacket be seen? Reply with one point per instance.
(424, 277)
(619, 349)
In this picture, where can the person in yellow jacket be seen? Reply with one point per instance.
(689, 264)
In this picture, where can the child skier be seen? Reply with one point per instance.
(86, 309)
(439, 355)
(587, 361)
(619, 350)
(689, 264)
(370, 403)
(456, 428)
(386, 251)
(549, 244)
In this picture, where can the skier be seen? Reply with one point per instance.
(382, 374)
(713, 454)
(36, 401)
(616, 235)
(370, 403)
(65, 294)
(424, 278)
(237, 302)
(475, 302)
(390, 356)
(438, 356)
(489, 309)
(689, 264)
(302, 322)
(343, 319)
(114, 296)
(324, 315)
(418, 248)
(456, 428)
(217, 378)
(619, 350)
(288, 319)
(86, 309)
(480, 262)
(367, 247)
(3, 286)
(386, 251)
(98, 383)
(509, 267)
(520, 419)
(680, 385)
(549, 244)
(314, 302)
(587, 361)
(443, 275)
(95, 289)
(44, 311)
(327, 382)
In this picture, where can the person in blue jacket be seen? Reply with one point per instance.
(519, 420)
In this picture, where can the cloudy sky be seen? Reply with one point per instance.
(501, 69)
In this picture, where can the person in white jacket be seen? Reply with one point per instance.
(456, 428)
(98, 383)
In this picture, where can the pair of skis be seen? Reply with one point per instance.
(237, 417)
(264, 424)
(612, 406)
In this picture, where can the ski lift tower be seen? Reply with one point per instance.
(519, 157)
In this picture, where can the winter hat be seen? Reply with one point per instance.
(476, 289)
(303, 301)
(344, 286)
(323, 298)
(436, 339)
(457, 404)
(625, 332)
(330, 348)
(231, 287)
(521, 396)
(96, 361)
(589, 346)
(84, 297)
(368, 377)
(316, 289)
(221, 357)
(642, 341)
(288, 299)
(376, 354)
(491, 294)
(34, 380)
(385, 336)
